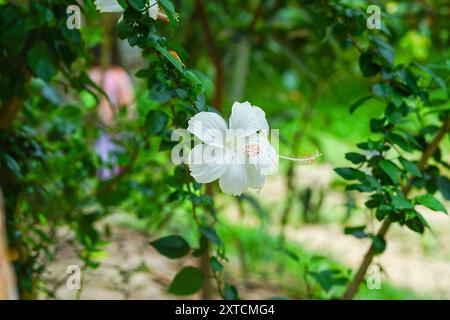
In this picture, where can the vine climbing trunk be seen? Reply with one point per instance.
(352, 289)
(208, 287)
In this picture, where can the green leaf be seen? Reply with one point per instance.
(399, 140)
(359, 102)
(230, 292)
(323, 281)
(200, 103)
(123, 3)
(409, 78)
(431, 202)
(373, 145)
(160, 92)
(410, 167)
(379, 244)
(350, 173)
(375, 185)
(401, 203)
(415, 225)
(156, 121)
(42, 61)
(444, 186)
(423, 221)
(433, 75)
(215, 264)
(397, 101)
(112, 195)
(382, 89)
(211, 234)
(133, 17)
(357, 231)
(142, 73)
(329, 278)
(137, 4)
(167, 145)
(170, 11)
(377, 125)
(290, 254)
(193, 78)
(203, 246)
(383, 211)
(372, 203)
(12, 165)
(367, 65)
(38, 15)
(174, 61)
(361, 187)
(390, 169)
(188, 281)
(124, 29)
(173, 247)
(385, 50)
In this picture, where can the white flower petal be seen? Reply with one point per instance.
(261, 115)
(153, 11)
(209, 127)
(255, 179)
(208, 163)
(108, 6)
(266, 160)
(234, 181)
(247, 118)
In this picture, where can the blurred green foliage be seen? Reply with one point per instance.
(307, 63)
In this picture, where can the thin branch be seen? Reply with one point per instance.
(429, 151)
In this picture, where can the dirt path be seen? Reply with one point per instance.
(403, 266)
(132, 269)
(420, 263)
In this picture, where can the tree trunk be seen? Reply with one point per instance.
(8, 112)
(7, 279)
(208, 287)
(213, 52)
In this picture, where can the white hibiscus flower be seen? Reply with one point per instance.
(113, 6)
(240, 156)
